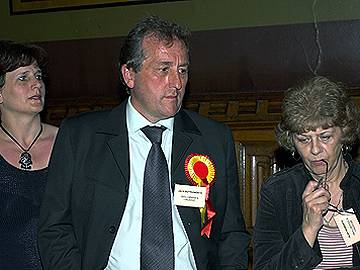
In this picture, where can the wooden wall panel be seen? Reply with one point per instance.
(252, 120)
(256, 162)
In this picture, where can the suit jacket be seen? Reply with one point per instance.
(88, 184)
(279, 242)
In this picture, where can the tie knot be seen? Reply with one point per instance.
(153, 133)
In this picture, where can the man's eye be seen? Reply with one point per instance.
(183, 71)
(39, 77)
(164, 69)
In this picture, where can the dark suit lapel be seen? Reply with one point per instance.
(184, 129)
(116, 136)
(185, 132)
(182, 143)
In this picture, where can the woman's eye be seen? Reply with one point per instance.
(39, 77)
(325, 138)
(303, 140)
(22, 78)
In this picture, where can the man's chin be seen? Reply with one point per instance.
(170, 112)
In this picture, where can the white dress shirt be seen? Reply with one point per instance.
(125, 252)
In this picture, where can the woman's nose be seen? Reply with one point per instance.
(36, 82)
(315, 147)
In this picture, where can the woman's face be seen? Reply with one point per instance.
(316, 148)
(23, 91)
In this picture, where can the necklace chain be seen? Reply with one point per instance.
(25, 160)
(327, 221)
(17, 143)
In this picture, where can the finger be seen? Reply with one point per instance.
(310, 187)
(317, 203)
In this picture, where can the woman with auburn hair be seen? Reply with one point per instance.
(25, 147)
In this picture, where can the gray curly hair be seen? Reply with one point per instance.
(317, 102)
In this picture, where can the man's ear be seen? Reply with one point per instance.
(128, 75)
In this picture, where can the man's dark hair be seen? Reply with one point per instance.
(132, 54)
(14, 55)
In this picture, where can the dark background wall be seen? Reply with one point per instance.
(230, 61)
(238, 46)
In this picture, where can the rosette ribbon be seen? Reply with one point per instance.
(200, 171)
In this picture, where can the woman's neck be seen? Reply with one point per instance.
(24, 129)
(337, 175)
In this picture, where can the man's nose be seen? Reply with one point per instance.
(175, 80)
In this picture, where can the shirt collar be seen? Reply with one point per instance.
(135, 121)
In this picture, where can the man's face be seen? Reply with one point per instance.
(157, 90)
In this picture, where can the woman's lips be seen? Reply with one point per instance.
(318, 162)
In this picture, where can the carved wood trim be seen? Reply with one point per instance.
(251, 118)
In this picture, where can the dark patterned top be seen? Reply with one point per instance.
(20, 196)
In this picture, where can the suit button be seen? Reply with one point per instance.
(112, 229)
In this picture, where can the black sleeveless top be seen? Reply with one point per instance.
(20, 197)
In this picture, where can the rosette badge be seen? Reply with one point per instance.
(200, 171)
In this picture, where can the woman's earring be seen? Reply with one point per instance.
(345, 149)
(295, 155)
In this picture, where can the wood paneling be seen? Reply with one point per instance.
(252, 120)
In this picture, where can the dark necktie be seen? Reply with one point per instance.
(157, 238)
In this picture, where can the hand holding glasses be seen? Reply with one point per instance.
(322, 183)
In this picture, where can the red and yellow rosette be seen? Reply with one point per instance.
(200, 171)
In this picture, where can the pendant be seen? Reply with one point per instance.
(25, 161)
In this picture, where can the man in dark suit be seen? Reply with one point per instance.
(94, 214)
